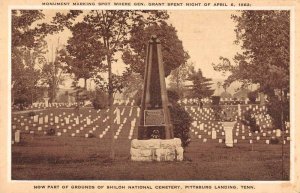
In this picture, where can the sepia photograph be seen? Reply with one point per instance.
(135, 96)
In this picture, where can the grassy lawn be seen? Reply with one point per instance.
(76, 158)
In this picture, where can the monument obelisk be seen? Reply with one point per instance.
(155, 121)
(156, 140)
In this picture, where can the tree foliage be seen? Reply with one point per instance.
(107, 32)
(27, 52)
(264, 37)
(132, 85)
(29, 48)
(265, 57)
(84, 53)
(180, 118)
(172, 49)
(201, 86)
(179, 76)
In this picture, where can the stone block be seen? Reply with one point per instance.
(141, 158)
(163, 154)
(168, 143)
(145, 144)
(179, 153)
(141, 152)
(156, 150)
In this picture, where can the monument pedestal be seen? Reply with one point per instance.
(156, 150)
(228, 127)
(46, 99)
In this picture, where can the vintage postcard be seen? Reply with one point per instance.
(149, 96)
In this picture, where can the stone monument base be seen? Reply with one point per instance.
(156, 150)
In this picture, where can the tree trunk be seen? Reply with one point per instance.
(110, 88)
(110, 105)
(282, 133)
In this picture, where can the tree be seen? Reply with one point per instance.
(219, 84)
(118, 83)
(84, 54)
(200, 87)
(265, 57)
(29, 47)
(112, 28)
(225, 85)
(179, 76)
(54, 72)
(172, 49)
(27, 51)
(133, 85)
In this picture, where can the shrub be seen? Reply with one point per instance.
(274, 140)
(179, 117)
(215, 100)
(217, 111)
(138, 97)
(100, 101)
(249, 120)
(90, 135)
(252, 96)
(182, 123)
(31, 114)
(23, 100)
(50, 132)
(275, 110)
(173, 96)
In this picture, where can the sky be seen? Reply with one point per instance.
(206, 35)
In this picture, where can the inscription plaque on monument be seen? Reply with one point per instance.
(154, 117)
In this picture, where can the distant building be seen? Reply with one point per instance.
(225, 95)
(65, 96)
(242, 94)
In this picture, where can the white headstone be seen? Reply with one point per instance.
(239, 110)
(118, 116)
(278, 133)
(17, 136)
(88, 121)
(228, 136)
(67, 120)
(214, 135)
(201, 126)
(46, 119)
(41, 121)
(35, 118)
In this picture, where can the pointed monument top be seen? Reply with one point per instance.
(154, 39)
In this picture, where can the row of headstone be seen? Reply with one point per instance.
(66, 123)
(206, 129)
